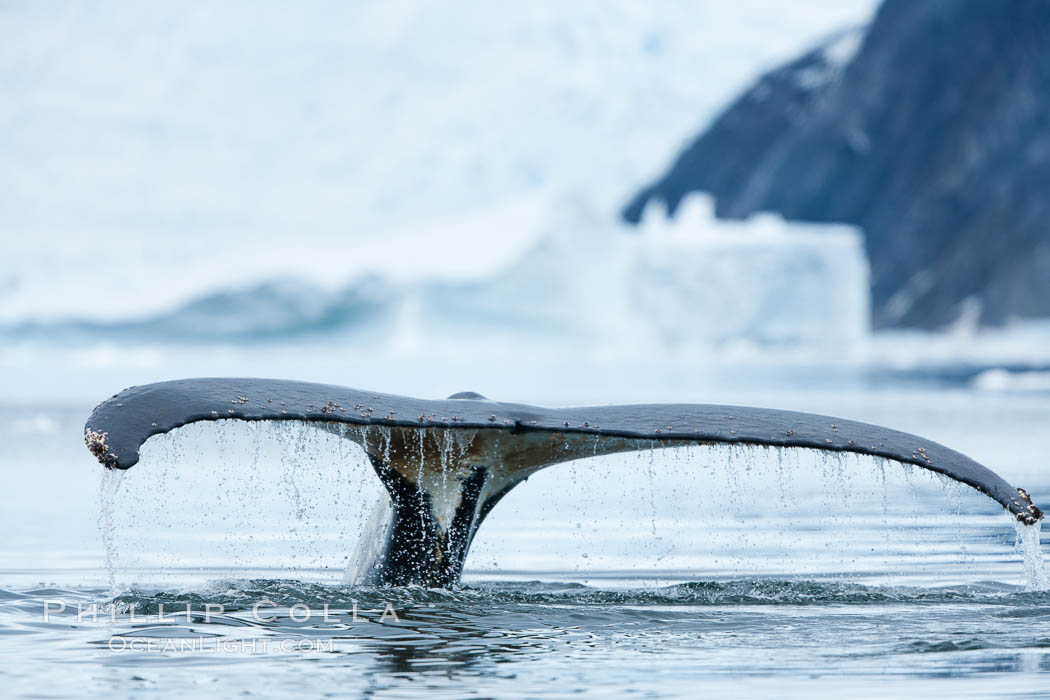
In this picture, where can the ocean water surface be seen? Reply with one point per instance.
(216, 566)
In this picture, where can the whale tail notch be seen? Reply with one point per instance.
(443, 482)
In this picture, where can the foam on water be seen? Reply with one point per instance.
(239, 595)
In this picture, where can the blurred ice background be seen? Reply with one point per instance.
(418, 198)
(348, 190)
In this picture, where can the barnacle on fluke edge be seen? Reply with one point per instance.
(1034, 514)
(96, 444)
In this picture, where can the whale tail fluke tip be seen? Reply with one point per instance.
(1034, 514)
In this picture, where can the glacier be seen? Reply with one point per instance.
(583, 280)
(691, 282)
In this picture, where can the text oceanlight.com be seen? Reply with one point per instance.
(220, 646)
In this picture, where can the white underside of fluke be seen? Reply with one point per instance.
(370, 543)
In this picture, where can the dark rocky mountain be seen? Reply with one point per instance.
(934, 137)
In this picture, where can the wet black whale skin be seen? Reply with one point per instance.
(129, 418)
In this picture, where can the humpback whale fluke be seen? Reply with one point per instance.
(446, 463)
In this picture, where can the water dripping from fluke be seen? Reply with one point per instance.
(108, 489)
(1028, 542)
(446, 464)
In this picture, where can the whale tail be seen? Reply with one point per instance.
(446, 464)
